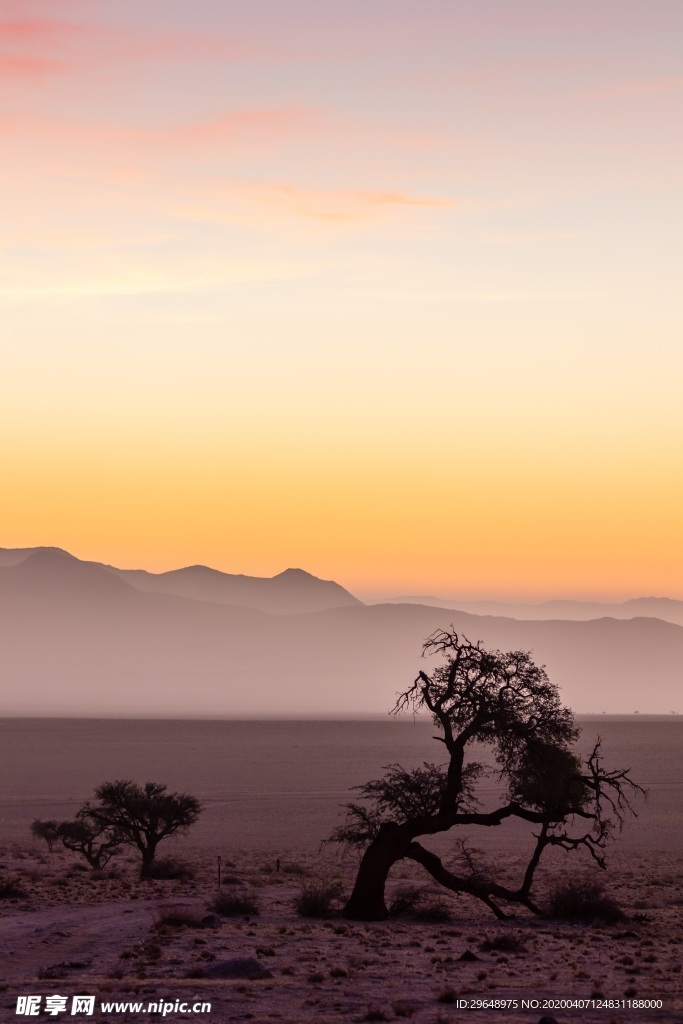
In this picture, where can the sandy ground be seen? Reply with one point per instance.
(106, 936)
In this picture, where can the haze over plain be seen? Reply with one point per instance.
(87, 640)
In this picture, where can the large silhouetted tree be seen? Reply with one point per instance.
(508, 703)
(142, 815)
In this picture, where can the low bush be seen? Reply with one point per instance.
(319, 899)
(406, 900)
(11, 890)
(420, 904)
(235, 901)
(583, 899)
(404, 1009)
(295, 869)
(170, 868)
(434, 912)
(504, 942)
(104, 875)
(179, 917)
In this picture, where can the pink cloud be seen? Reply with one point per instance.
(241, 124)
(29, 67)
(36, 47)
(37, 30)
(40, 46)
(240, 131)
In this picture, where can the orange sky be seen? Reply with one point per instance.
(390, 294)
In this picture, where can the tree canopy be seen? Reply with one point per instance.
(142, 816)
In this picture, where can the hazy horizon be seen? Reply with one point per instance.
(86, 638)
(377, 595)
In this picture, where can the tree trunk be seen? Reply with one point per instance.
(147, 860)
(366, 902)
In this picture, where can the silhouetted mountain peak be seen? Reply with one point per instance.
(290, 592)
(12, 556)
(298, 574)
(52, 556)
(194, 570)
(62, 576)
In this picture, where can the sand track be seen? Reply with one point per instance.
(81, 940)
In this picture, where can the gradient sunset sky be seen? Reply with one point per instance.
(390, 291)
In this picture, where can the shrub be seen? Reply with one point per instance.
(295, 869)
(404, 1009)
(406, 899)
(503, 943)
(318, 899)
(583, 899)
(234, 901)
(179, 917)
(170, 868)
(10, 890)
(420, 904)
(434, 912)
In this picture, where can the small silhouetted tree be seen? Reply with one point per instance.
(46, 830)
(508, 703)
(142, 816)
(96, 842)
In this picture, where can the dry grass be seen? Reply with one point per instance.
(179, 917)
(319, 899)
(235, 901)
(583, 899)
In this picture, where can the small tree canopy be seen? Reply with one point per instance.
(93, 840)
(142, 815)
(46, 830)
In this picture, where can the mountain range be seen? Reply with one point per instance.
(81, 638)
(665, 608)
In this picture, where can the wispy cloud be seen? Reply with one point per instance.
(270, 204)
(36, 47)
(239, 124)
(351, 205)
(23, 67)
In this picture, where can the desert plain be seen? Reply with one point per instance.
(65, 930)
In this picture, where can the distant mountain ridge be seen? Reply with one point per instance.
(666, 608)
(80, 639)
(290, 592)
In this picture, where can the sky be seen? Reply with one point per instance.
(389, 291)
